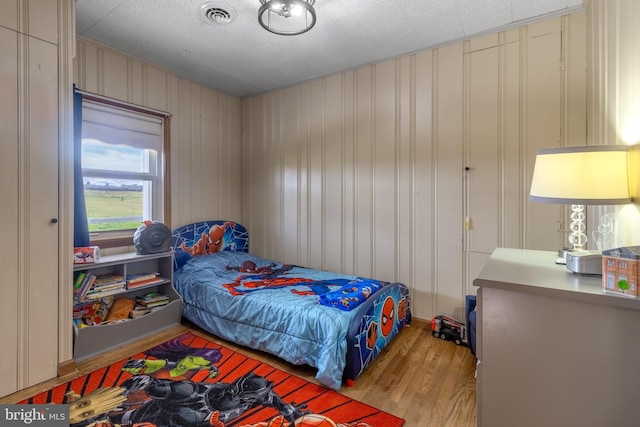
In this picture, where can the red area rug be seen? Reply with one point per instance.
(190, 381)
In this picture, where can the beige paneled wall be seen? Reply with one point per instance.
(360, 173)
(614, 92)
(206, 129)
(364, 172)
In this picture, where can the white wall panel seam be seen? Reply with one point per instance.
(65, 105)
(502, 147)
(523, 63)
(23, 210)
(343, 172)
(372, 174)
(434, 177)
(412, 182)
(396, 164)
(356, 170)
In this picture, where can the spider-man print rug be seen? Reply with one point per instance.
(190, 381)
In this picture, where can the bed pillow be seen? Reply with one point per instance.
(180, 258)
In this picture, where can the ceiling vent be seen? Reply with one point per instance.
(218, 12)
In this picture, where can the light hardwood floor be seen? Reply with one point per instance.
(426, 381)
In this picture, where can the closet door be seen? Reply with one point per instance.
(29, 210)
(39, 205)
(524, 90)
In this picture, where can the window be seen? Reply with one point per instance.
(122, 168)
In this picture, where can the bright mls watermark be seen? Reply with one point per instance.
(36, 415)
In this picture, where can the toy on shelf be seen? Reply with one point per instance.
(449, 329)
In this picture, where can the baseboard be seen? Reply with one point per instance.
(66, 368)
(421, 323)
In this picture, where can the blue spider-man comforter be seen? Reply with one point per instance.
(274, 307)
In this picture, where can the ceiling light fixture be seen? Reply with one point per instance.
(287, 17)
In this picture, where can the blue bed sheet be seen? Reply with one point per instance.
(269, 306)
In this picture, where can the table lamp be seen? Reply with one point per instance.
(579, 176)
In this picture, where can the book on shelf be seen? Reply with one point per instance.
(108, 279)
(139, 311)
(147, 282)
(157, 304)
(154, 303)
(84, 288)
(141, 277)
(78, 279)
(153, 299)
(104, 293)
(90, 313)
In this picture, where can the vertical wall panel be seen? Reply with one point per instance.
(275, 159)
(9, 210)
(614, 93)
(135, 84)
(252, 174)
(422, 275)
(115, 75)
(364, 101)
(349, 172)
(213, 156)
(543, 129)
(9, 14)
(385, 196)
(42, 23)
(333, 188)
(303, 141)
(200, 163)
(448, 221)
(513, 194)
(154, 88)
(231, 145)
(291, 173)
(189, 162)
(316, 174)
(405, 153)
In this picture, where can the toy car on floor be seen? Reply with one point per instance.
(447, 328)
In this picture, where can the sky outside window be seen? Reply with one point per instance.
(100, 156)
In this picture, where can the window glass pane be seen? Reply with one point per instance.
(114, 204)
(100, 156)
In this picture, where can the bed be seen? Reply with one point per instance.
(333, 322)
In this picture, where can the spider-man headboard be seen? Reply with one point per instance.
(206, 237)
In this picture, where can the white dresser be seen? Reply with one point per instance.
(554, 350)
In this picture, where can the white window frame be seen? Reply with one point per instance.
(152, 139)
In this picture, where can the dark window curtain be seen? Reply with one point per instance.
(80, 225)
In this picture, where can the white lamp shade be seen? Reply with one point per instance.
(587, 175)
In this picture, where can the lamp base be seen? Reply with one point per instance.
(563, 252)
(577, 238)
(585, 262)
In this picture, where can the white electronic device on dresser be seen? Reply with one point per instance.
(554, 350)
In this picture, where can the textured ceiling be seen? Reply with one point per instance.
(241, 58)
